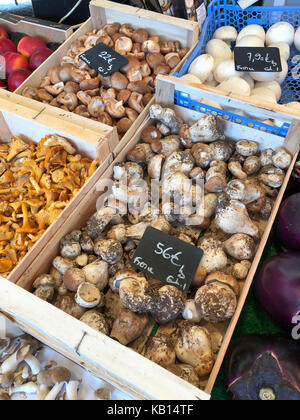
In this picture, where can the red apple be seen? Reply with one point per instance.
(6, 45)
(16, 62)
(38, 57)
(3, 33)
(28, 44)
(16, 78)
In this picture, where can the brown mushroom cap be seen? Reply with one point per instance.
(73, 278)
(160, 350)
(53, 376)
(109, 250)
(128, 326)
(119, 81)
(140, 35)
(134, 294)
(168, 304)
(225, 279)
(185, 372)
(97, 321)
(67, 303)
(216, 302)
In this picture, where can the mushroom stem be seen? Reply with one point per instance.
(11, 364)
(72, 390)
(33, 363)
(29, 388)
(42, 393)
(52, 395)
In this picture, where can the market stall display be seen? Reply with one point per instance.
(136, 207)
(213, 66)
(151, 42)
(46, 161)
(138, 154)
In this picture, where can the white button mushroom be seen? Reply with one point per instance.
(255, 30)
(227, 34)
(236, 85)
(285, 49)
(250, 41)
(273, 85)
(219, 50)
(225, 70)
(202, 67)
(280, 32)
(297, 39)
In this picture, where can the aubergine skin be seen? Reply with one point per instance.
(258, 362)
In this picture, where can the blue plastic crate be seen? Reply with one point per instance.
(220, 13)
(183, 99)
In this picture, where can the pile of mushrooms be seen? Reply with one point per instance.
(118, 99)
(217, 68)
(24, 377)
(92, 278)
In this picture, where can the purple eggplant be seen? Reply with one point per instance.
(278, 288)
(287, 226)
(261, 367)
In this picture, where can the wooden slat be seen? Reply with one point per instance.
(250, 106)
(46, 33)
(102, 356)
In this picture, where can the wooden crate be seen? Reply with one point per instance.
(117, 364)
(33, 123)
(102, 12)
(47, 31)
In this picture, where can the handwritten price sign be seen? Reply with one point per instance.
(252, 59)
(103, 59)
(167, 259)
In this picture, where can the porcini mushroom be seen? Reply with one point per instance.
(194, 348)
(128, 326)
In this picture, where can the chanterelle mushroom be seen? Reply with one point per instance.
(194, 347)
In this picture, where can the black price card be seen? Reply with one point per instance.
(257, 59)
(167, 258)
(104, 59)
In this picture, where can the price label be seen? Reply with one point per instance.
(253, 59)
(104, 59)
(167, 259)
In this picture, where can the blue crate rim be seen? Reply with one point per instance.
(183, 99)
